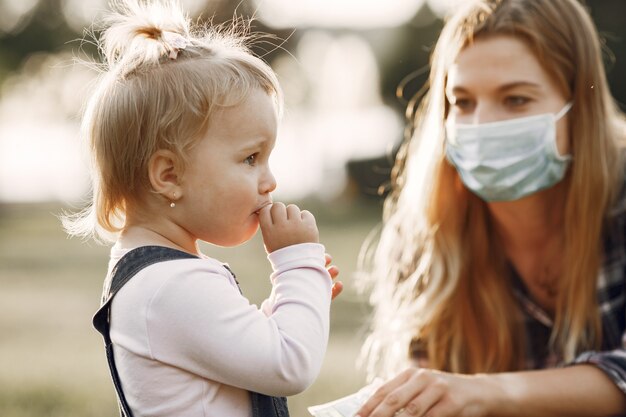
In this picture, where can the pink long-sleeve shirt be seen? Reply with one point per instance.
(187, 343)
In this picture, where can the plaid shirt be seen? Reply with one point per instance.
(612, 306)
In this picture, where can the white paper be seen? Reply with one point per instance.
(346, 406)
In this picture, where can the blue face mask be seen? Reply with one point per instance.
(509, 159)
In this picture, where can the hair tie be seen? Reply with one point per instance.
(175, 42)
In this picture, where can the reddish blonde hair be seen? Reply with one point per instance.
(437, 269)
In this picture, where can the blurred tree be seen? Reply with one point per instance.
(610, 18)
(43, 28)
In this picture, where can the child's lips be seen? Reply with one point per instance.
(269, 203)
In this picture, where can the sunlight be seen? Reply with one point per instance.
(333, 13)
(13, 13)
(80, 14)
(40, 154)
(44, 167)
(334, 114)
(442, 7)
(342, 118)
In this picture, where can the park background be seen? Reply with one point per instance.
(340, 63)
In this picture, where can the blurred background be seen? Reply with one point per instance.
(340, 63)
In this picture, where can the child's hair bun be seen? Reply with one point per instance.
(138, 33)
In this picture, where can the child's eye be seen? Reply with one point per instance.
(251, 160)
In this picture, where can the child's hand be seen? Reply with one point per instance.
(285, 226)
(334, 271)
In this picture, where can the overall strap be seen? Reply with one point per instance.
(127, 267)
(266, 406)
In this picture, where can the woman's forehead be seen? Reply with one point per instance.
(496, 61)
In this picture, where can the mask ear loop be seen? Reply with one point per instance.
(563, 111)
(558, 117)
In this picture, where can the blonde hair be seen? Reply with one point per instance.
(438, 274)
(157, 93)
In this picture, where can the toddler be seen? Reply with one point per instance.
(181, 127)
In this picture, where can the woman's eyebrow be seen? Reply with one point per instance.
(504, 87)
(517, 84)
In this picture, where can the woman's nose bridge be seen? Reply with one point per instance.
(485, 112)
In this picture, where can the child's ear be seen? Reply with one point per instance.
(164, 172)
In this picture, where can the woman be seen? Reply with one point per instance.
(499, 274)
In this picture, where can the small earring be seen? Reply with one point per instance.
(172, 204)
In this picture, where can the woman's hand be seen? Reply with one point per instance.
(424, 392)
(285, 226)
(334, 271)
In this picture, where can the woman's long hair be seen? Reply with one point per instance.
(440, 286)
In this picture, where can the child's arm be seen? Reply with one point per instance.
(337, 287)
(284, 226)
(199, 322)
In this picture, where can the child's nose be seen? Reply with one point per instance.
(268, 183)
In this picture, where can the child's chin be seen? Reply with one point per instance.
(248, 235)
(232, 240)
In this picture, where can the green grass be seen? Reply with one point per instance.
(51, 360)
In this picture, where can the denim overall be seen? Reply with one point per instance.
(124, 270)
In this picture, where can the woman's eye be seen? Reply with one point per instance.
(515, 101)
(462, 104)
(251, 160)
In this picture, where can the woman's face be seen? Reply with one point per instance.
(499, 78)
